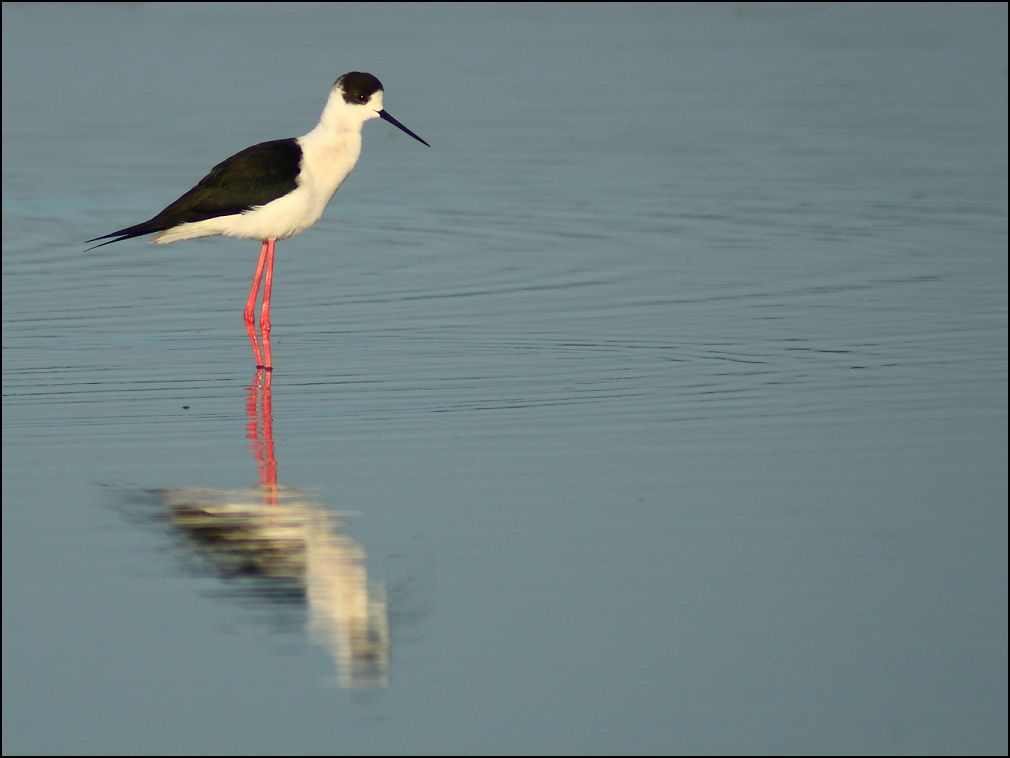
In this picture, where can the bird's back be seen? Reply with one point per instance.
(252, 177)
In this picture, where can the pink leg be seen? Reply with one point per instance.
(264, 273)
(250, 305)
(268, 281)
(268, 361)
(250, 330)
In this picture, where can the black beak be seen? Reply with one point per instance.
(386, 117)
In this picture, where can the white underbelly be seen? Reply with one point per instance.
(278, 219)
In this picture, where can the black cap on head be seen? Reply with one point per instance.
(358, 86)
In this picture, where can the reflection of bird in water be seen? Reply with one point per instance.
(281, 546)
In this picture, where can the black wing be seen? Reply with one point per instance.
(255, 176)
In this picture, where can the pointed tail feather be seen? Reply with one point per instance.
(138, 230)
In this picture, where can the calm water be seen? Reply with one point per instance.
(660, 407)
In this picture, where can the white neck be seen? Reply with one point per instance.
(339, 116)
(333, 147)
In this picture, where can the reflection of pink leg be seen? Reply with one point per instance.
(250, 305)
(268, 471)
(260, 433)
(252, 423)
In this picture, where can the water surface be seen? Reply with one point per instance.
(660, 407)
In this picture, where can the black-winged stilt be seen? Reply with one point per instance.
(273, 190)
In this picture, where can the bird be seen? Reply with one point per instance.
(273, 190)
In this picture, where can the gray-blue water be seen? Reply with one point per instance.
(659, 407)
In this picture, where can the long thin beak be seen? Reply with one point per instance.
(384, 115)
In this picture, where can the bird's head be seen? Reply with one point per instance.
(361, 95)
